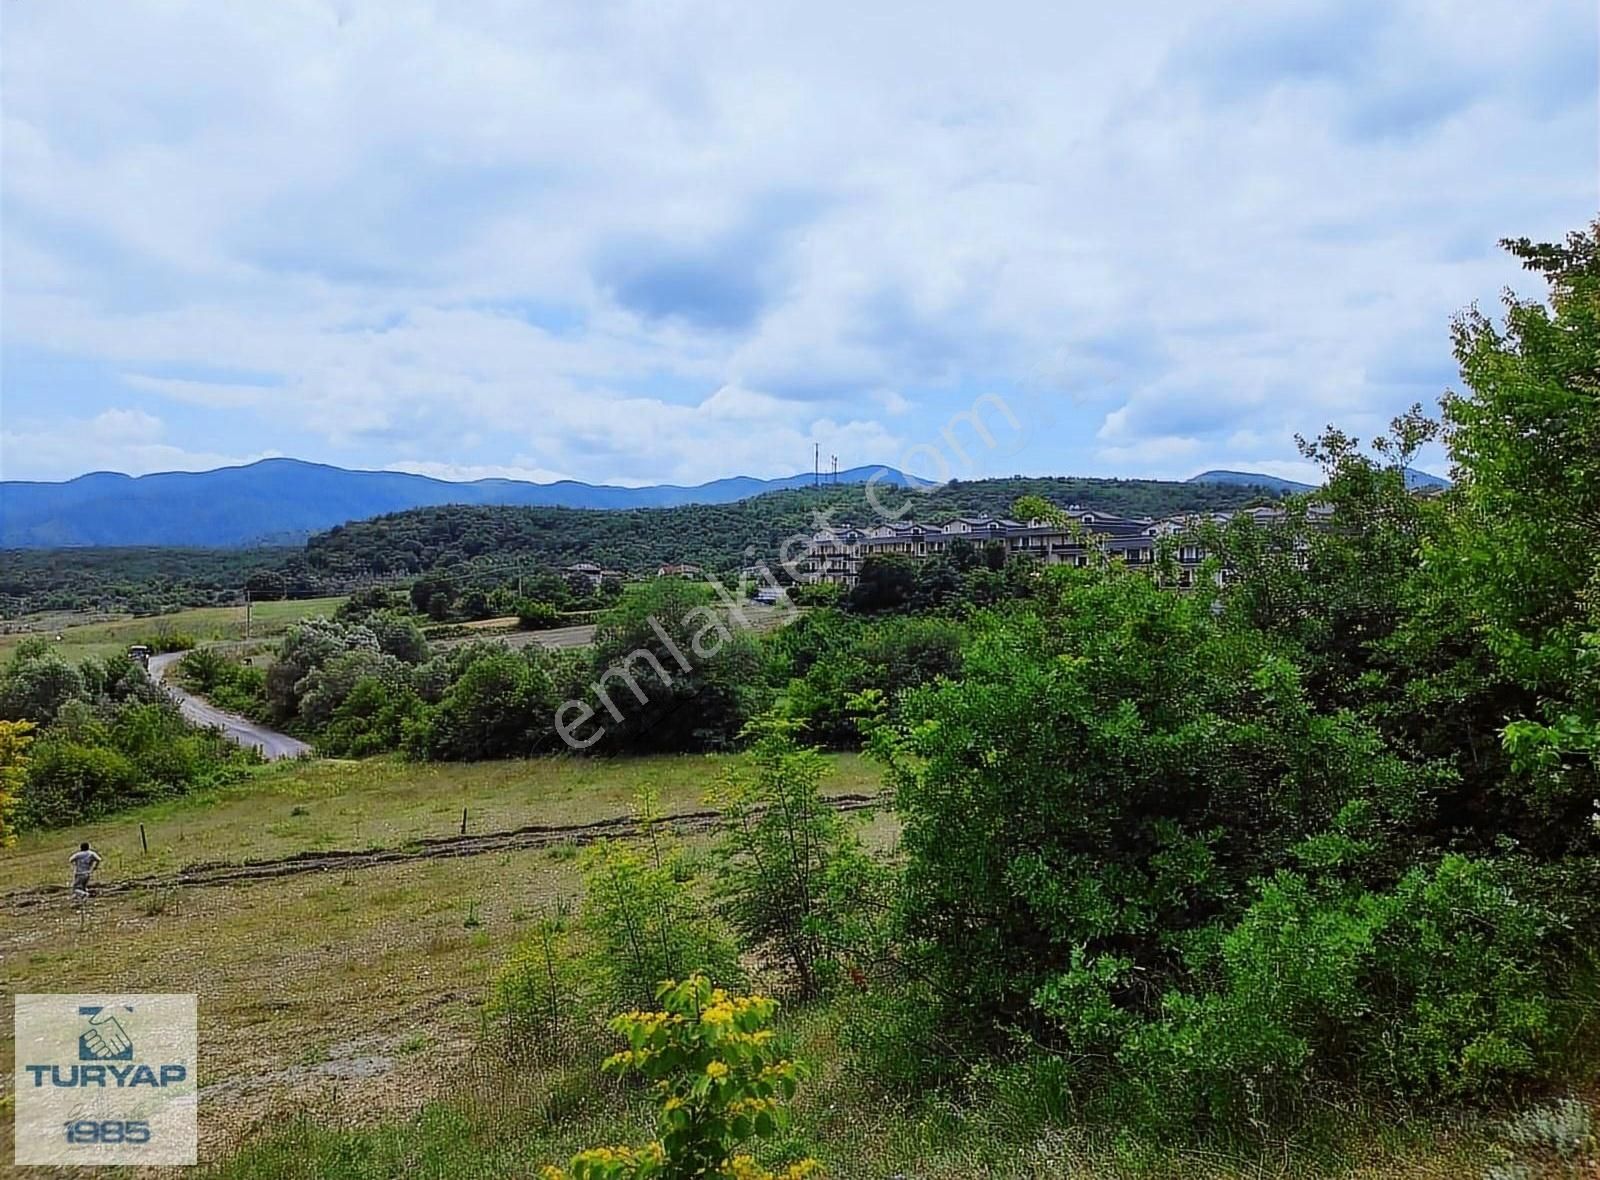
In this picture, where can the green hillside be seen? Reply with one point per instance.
(715, 536)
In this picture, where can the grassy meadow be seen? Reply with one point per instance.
(102, 636)
(351, 1001)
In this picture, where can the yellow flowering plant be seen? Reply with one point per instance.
(718, 1080)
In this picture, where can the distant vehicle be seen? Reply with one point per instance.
(139, 654)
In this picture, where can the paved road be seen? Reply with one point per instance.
(271, 744)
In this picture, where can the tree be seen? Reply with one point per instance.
(398, 636)
(537, 616)
(883, 584)
(305, 647)
(501, 705)
(266, 586)
(36, 683)
(675, 672)
(793, 875)
(15, 737)
(1524, 557)
(1110, 773)
(429, 587)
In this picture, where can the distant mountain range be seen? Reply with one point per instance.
(1279, 486)
(283, 501)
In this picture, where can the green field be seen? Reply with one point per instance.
(307, 977)
(81, 640)
(355, 996)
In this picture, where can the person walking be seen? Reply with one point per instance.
(84, 862)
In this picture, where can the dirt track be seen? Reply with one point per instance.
(532, 836)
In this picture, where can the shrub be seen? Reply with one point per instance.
(645, 924)
(717, 1079)
(1442, 986)
(398, 636)
(169, 641)
(793, 877)
(537, 616)
(68, 783)
(15, 738)
(1107, 778)
(372, 718)
(534, 997)
(36, 683)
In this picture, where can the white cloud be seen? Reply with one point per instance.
(639, 244)
(460, 473)
(130, 441)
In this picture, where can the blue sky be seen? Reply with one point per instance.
(650, 242)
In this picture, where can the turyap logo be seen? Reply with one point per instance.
(105, 1079)
(105, 1039)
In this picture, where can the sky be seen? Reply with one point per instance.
(672, 241)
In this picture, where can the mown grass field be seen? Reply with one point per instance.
(328, 978)
(291, 807)
(81, 640)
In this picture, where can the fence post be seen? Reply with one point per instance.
(463, 821)
(145, 844)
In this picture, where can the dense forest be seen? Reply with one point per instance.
(480, 544)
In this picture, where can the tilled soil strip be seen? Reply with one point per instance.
(435, 848)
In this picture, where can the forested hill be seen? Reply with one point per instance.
(472, 539)
(715, 536)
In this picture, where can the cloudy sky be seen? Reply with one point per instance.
(673, 241)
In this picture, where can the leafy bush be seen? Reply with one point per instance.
(168, 641)
(536, 999)
(68, 783)
(717, 1079)
(644, 924)
(372, 718)
(1444, 986)
(830, 658)
(15, 738)
(501, 704)
(36, 683)
(225, 681)
(695, 694)
(537, 616)
(793, 879)
(1111, 772)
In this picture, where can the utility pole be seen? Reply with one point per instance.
(247, 613)
(816, 465)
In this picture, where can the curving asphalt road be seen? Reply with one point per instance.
(271, 744)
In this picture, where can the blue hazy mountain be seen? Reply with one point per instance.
(282, 501)
(1279, 486)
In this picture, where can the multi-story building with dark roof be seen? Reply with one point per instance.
(835, 554)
